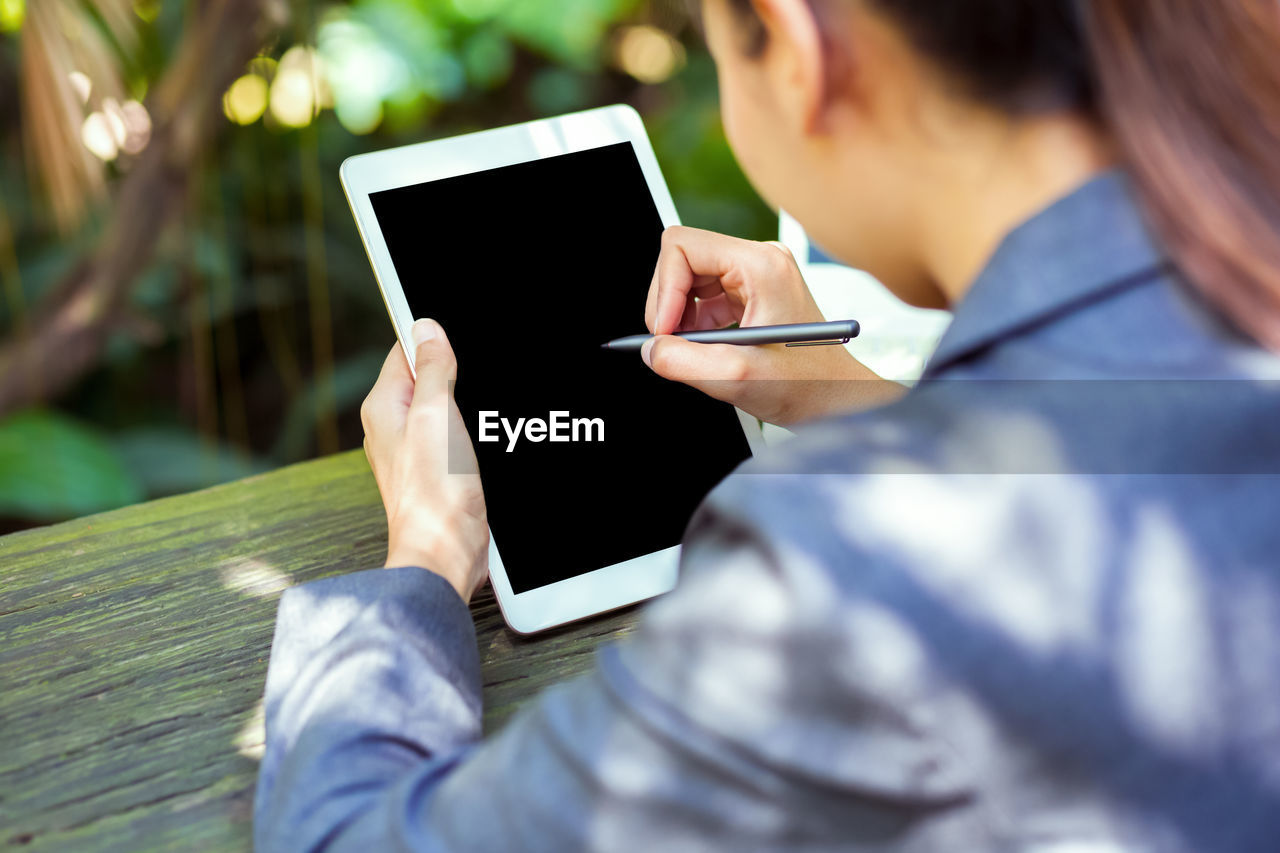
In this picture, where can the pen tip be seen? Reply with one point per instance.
(605, 346)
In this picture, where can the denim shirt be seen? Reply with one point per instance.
(1034, 606)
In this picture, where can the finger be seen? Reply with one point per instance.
(461, 448)
(703, 288)
(394, 385)
(673, 281)
(434, 361)
(694, 262)
(368, 455)
(689, 319)
(395, 366)
(651, 300)
(675, 278)
(783, 246)
(714, 313)
(707, 287)
(699, 365)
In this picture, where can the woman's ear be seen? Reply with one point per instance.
(796, 60)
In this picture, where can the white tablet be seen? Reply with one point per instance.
(533, 245)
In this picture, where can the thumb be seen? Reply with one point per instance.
(433, 361)
(699, 365)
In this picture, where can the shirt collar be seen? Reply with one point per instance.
(1084, 247)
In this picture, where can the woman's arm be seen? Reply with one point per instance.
(729, 721)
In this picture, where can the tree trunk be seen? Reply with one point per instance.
(67, 331)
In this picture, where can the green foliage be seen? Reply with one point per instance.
(567, 31)
(12, 13)
(388, 56)
(54, 467)
(219, 370)
(170, 461)
(350, 382)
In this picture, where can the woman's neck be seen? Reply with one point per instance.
(1010, 171)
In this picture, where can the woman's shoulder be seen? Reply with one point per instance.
(859, 533)
(920, 495)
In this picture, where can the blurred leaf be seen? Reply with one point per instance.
(169, 461)
(209, 257)
(157, 287)
(352, 380)
(559, 90)
(11, 14)
(568, 31)
(147, 10)
(422, 43)
(52, 467)
(488, 59)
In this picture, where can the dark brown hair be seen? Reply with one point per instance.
(1189, 89)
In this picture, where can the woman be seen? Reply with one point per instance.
(1004, 613)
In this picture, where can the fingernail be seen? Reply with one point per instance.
(423, 331)
(645, 349)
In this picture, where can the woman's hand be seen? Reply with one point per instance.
(705, 280)
(425, 465)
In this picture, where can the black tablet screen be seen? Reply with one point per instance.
(530, 268)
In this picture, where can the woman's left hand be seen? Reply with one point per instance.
(425, 465)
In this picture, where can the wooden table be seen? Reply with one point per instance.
(134, 644)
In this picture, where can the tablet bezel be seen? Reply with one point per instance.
(609, 587)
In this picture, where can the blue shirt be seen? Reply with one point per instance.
(1034, 606)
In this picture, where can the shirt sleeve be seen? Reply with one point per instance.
(733, 719)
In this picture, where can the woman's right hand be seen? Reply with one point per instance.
(706, 280)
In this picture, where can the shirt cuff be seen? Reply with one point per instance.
(415, 602)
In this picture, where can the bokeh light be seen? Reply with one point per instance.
(137, 127)
(147, 10)
(479, 10)
(362, 70)
(246, 99)
(114, 127)
(99, 137)
(81, 83)
(488, 59)
(293, 100)
(264, 66)
(296, 96)
(12, 13)
(648, 54)
(115, 120)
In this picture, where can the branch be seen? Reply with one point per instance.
(67, 331)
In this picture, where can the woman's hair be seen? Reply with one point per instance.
(1189, 89)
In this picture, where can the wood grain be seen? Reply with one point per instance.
(134, 645)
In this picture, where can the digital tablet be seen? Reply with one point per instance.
(533, 245)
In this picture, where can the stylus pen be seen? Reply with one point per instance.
(793, 335)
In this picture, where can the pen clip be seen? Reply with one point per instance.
(831, 343)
